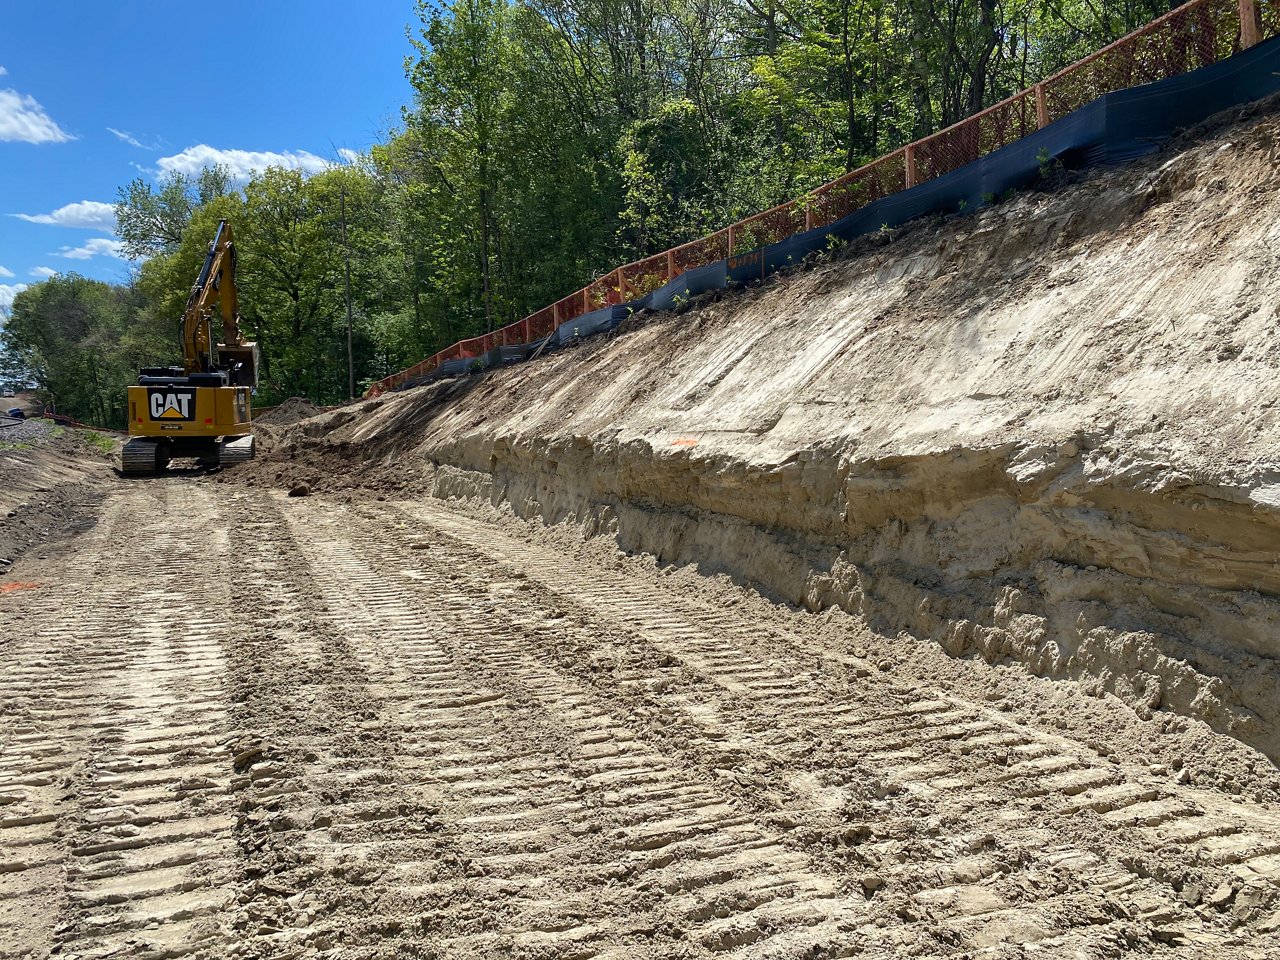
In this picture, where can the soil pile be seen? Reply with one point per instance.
(277, 424)
(337, 449)
(289, 412)
(1044, 435)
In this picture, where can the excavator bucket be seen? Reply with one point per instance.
(242, 361)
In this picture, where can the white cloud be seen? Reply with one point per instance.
(125, 136)
(23, 119)
(3, 71)
(350, 156)
(44, 273)
(98, 246)
(90, 214)
(241, 163)
(7, 293)
(5, 272)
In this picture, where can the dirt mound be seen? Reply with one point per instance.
(289, 412)
(353, 447)
(295, 419)
(1045, 434)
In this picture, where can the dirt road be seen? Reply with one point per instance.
(381, 729)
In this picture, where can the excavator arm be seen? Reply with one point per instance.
(216, 287)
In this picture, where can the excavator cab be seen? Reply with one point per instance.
(201, 409)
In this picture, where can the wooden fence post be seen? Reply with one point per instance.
(912, 173)
(1248, 23)
(671, 264)
(731, 241)
(1042, 105)
(622, 286)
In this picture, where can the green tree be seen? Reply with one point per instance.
(547, 141)
(153, 219)
(80, 340)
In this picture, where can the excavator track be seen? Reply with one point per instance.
(141, 456)
(234, 451)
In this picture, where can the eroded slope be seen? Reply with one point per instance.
(1044, 434)
(51, 482)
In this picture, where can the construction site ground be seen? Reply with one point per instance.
(336, 727)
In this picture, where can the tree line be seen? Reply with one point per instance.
(547, 141)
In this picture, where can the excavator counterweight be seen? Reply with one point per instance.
(201, 409)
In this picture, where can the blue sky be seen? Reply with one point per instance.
(93, 94)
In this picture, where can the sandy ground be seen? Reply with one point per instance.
(237, 724)
(1015, 476)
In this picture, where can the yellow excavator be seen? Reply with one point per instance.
(201, 409)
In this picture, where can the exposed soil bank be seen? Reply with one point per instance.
(1046, 434)
(1034, 556)
(51, 484)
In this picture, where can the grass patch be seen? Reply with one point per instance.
(99, 440)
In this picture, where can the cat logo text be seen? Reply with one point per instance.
(171, 403)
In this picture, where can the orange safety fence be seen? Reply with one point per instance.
(857, 188)
(645, 276)
(964, 142)
(783, 221)
(1194, 35)
(605, 292)
(699, 253)
(565, 310)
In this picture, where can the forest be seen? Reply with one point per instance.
(547, 141)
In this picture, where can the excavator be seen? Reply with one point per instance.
(201, 409)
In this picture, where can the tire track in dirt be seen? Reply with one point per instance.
(580, 838)
(116, 825)
(393, 729)
(326, 808)
(1068, 839)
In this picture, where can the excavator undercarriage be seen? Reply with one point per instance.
(142, 455)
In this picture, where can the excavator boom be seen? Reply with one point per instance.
(216, 286)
